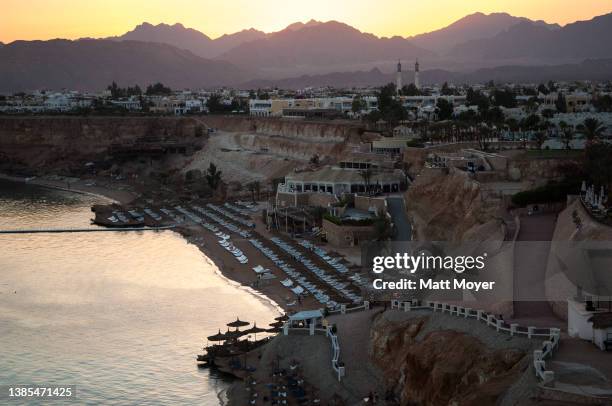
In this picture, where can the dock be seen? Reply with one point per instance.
(84, 230)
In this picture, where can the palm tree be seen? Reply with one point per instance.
(566, 135)
(593, 129)
(540, 139)
(366, 175)
(213, 176)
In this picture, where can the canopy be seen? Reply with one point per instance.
(254, 330)
(306, 315)
(238, 323)
(217, 337)
(284, 317)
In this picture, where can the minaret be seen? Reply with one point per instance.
(398, 77)
(417, 82)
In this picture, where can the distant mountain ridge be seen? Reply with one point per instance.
(582, 39)
(94, 64)
(189, 39)
(591, 69)
(471, 27)
(318, 45)
(312, 53)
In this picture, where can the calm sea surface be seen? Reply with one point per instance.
(120, 315)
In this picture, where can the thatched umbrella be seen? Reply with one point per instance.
(238, 323)
(284, 317)
(277, 324)
(254, 330)
(234, 334)
(217, 337)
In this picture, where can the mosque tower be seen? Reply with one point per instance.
(398, 77)
(417, 82)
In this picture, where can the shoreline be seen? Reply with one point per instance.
(114, 196)
(192, 235)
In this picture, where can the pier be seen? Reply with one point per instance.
(83, 230)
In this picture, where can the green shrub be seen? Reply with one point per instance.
(550, 193)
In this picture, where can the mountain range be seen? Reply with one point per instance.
(184, 57)
(591, 69)
(94, 64)
(189, 39)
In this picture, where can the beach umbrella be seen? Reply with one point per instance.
(254, 330)
(217, 337)
(277, 324)
(284, 317)
(238, 323)
(234, 334)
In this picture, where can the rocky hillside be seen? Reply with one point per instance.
(35, 143)
(289, 138)
(450, 207)
(426, 363)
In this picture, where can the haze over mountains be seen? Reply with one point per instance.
(94, 64)
(190, 39)
(184, 57)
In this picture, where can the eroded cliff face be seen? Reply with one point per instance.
(291, 138)
(443, 367)
(451, 207)
(61, 142)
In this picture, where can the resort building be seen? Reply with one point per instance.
(333, 180)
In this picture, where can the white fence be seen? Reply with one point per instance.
(338, 368)
(548, 346)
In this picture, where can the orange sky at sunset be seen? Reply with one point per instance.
(45, 19)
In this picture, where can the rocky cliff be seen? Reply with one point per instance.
(450, 207)
(33, 143)
(291, 138)
(426, 364)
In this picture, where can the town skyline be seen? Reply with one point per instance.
(390, 18)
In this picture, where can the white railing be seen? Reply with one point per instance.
(337, 367)
(335, 345)
(548, 346)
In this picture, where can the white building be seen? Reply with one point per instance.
(591, 324)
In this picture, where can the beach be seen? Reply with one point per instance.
(203, 239)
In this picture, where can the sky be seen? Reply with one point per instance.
(47, 19)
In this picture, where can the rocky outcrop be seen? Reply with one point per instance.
(292, 138)
(61, 142)
(441, 367)
(450, 207)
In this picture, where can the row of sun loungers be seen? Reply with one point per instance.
(177, 219)
(224, 238)
(302, 285)
(136, 215)
(249, 206)
(152, 214)
(330, 280)
(238, 254)
(333, 262)
(228, 214)
(227, 224)
(242, 211)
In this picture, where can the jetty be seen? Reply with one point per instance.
(83, 230)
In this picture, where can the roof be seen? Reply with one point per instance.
(337, 175)
(306, 315)
(601, 320)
